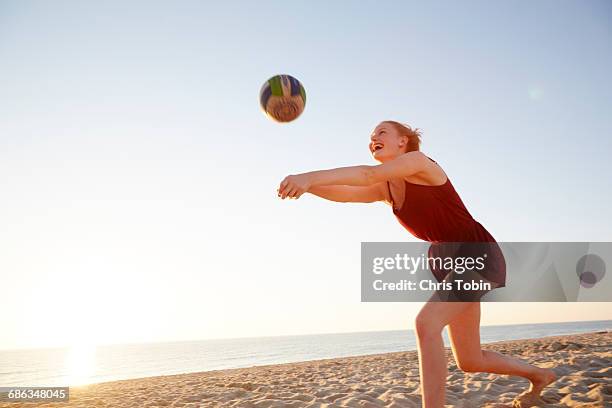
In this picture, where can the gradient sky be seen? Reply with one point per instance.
(138, 174)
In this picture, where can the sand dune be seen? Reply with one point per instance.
(583, 364)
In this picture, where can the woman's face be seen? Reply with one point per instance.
(386, 143)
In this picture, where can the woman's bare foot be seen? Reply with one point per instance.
(531, 398)
(543, 377)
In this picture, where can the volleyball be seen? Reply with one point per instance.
(282, 98)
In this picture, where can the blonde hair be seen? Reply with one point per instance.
(413, 135)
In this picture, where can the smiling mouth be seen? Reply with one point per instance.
(376, 147)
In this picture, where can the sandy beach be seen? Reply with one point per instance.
(582, 362)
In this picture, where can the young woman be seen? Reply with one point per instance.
(427, 205)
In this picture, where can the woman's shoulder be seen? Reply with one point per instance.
(432, 173)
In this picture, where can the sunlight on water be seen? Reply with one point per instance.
(89, 362)
(81, 363)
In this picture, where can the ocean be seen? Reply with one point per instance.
(63, 367)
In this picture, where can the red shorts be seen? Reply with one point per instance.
(470, 269)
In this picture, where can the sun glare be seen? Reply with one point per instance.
(80, 364)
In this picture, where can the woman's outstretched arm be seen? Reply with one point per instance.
(350, 194)
(405, 165)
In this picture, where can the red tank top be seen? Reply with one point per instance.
(437, 214)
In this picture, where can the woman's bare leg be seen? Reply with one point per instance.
(432, 359)
(464, 333)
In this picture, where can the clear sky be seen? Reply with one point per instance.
(138, 174)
